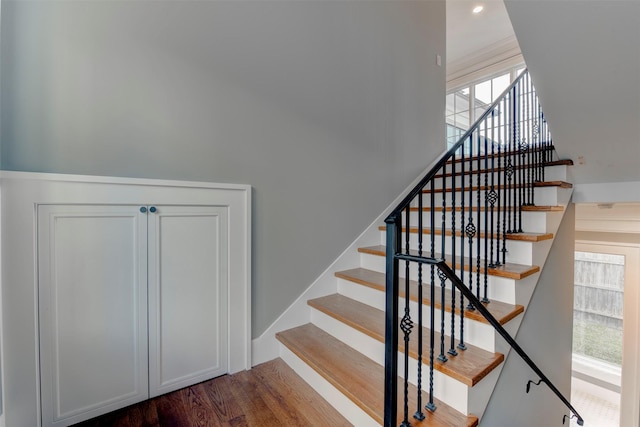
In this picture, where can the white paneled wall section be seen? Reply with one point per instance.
(173, 241)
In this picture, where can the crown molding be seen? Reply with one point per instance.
(491, 59)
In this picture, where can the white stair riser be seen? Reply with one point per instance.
(449, 390)
(479, 334)
(345, 406)
(533, 222)
(541, 222)
(542, 196)
(518, 252)
(500, 288)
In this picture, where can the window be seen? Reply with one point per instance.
(598, 302)
(466, 104)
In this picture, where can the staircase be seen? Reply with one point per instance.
(348, 349)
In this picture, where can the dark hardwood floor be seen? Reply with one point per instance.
(271, 394)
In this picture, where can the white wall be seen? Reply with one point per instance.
(328, 109)
(546, 335)
(584, 59)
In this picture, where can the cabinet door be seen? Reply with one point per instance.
(92, 282)
(187, 296)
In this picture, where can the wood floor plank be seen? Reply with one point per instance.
(468, 367)
(201, 411)
(225, 408)
(503, 312)
(270, 394)
(172, 410)
(257, 411)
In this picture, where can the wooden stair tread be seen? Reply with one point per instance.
(359, 378)
(508, 270)
(503, 312)
(561, 184)
(532, 208)
(524, 237)
(468, 367)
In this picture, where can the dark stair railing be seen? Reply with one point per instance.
(479, 188)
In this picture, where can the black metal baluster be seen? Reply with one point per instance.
(470, 229)
(419, 415)
(478, 210)
(461, 344)
(452, 349)
(406, 324)
(539, 147)
(394, 244)
(519, 159)
(432, 314)
(510, 172)
(532, 142)
(526, 139)
(535, 125)
(492, 192)
(487, 228)
(441, 356)
(536, 137)
(502, 183)
(543, 142)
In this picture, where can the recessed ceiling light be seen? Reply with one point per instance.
(478, 9)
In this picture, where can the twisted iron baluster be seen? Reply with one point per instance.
(487, 229)
(443, 279)
(538, 159)
(470, 229)
(536, 139)
(547, 146)
(493, 196)
(524, 149)
(406, 324)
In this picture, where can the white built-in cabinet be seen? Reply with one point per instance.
(132, 303)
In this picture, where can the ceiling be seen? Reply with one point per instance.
(478, 40)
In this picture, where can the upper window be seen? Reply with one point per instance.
(465, 105)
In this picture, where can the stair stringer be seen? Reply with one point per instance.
(525, 290)
(545, 333)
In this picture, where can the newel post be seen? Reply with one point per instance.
(391, 322)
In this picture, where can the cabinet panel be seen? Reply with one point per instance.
(92, 310)
(187, 296)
